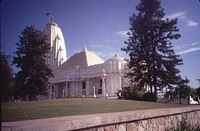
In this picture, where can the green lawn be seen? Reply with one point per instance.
(14, 111)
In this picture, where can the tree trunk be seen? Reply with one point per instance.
(188, 99)
(155, 93)
(155, 84)
(154, 72)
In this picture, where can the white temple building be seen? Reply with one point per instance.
(84, 73)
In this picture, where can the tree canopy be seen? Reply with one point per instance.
(182, 91)
(6, 78)
(152, 61)
(32, 79)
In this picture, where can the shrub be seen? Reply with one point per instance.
(148, 97)
(130, 93)
(74, 96)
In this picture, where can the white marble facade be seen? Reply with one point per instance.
(84, 73)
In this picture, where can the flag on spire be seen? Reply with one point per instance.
(50, 17)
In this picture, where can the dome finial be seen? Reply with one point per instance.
(116, 55)
(84, 48)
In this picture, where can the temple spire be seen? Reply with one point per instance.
(58, 54)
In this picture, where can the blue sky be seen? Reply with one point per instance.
(101, 25)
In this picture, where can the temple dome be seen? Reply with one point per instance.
(116, 58)
(82, 59)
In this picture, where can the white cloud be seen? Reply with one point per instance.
(187, 45)
(122, 33)
(111, 41)
(188, 50)
(179, 15)
(191, 23)
(195, 43)
(182, 16)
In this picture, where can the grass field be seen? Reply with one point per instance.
(15, 111)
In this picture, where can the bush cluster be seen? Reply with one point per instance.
(74, 96)
(134, 93)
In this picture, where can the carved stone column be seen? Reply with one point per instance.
(94, 92)
(66, 88)
(104, 91)
(87, 87)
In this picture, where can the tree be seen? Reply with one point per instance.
(6, 78)
(183, 91)
(32, 79)
(170, 95)
(153, 61)
(197, 92)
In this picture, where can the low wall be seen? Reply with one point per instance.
(154, 119)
